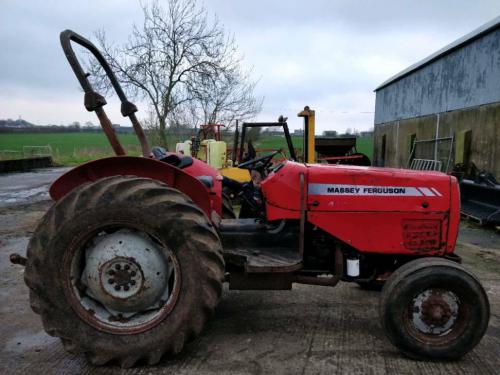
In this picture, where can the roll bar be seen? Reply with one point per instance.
(93, 101)
(281, 123)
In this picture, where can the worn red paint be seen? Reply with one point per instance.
(421, 235)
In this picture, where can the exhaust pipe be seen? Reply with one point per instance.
(325, 281)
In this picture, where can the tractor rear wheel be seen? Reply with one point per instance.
(433, 308)
(124, 269)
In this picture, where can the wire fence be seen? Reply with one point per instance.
(27, 152)
(37, 151)
(10, 154)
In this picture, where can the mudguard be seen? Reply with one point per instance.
(205, 197)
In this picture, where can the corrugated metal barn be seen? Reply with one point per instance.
(445, 108)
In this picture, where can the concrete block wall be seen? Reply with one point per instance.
(483, 121)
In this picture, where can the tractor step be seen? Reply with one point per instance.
(264, 260)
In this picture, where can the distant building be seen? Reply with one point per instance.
(450, 100)
(366, 134)
(330, 133)
(15, 124)
(272, 133)
(123, 129)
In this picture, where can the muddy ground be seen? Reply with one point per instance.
(308, 330)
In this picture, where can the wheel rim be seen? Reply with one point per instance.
(436, 316)
(122, 280)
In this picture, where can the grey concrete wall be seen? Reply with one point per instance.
(21, 165)
(483, 121)
(467, 77)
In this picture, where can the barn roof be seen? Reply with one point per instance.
(459, 43)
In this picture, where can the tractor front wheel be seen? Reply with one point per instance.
(124, 269)
(434, 309)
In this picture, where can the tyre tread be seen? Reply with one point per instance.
(151, 194)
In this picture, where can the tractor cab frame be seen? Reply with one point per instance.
(281, 123)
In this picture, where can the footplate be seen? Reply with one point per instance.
(264, 260)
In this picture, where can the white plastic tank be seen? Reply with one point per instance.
(183, 148)
(353, 267)
(217, 154)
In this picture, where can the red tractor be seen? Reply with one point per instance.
(130, 261)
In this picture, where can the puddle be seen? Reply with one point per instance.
(11, 198)
(26, 188)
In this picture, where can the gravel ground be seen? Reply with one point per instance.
(308, 330)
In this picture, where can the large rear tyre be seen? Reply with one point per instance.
(433, 308)
(124, 269)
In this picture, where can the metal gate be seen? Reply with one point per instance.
(432, 154)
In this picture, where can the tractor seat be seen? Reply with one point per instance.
(179, 161)
(208, 181)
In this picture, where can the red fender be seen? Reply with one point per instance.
(134, 166)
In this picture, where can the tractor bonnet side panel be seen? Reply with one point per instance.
(383, 210)
(282, 191)
(387, 232)
(343, 188)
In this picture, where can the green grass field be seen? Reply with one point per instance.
(76, 148)
(69, 148)
(365, 146)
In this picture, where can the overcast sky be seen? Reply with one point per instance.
(328, 54)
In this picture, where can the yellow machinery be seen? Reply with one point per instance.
(210, 151)
(327, 149)
(309, 151)
(235, 173)
(183, 148)
(209, 147)
(214, 152)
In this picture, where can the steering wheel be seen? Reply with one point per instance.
(260, 162)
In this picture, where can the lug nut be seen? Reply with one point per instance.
(132, 273)
(118, 267)
(127, 267)
(117, 287)
(132, 282)
(111, 281)
(111, 272)
(126, 288)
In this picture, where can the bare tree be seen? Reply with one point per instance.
(226, 96)
(170, 55)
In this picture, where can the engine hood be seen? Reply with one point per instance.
(352, 188)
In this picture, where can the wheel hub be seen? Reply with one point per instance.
(121, 277)
(126, 272)
(434, 311)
